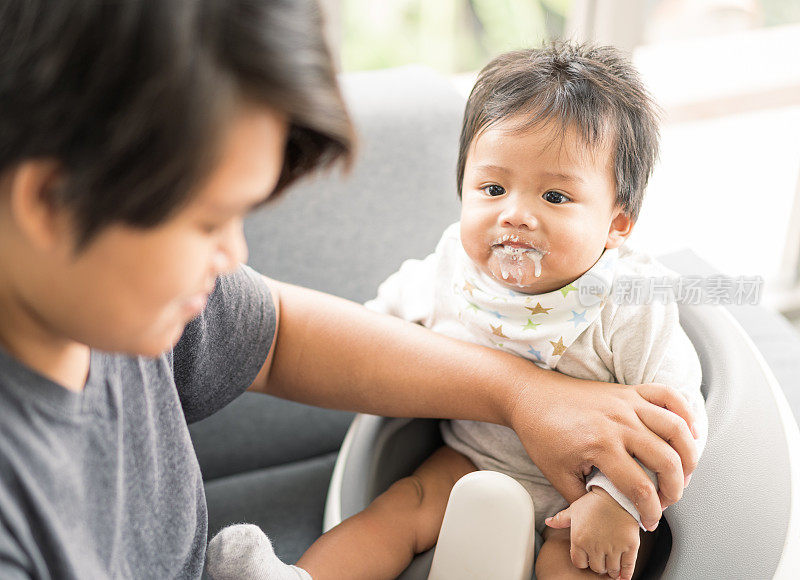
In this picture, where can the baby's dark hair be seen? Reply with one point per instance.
(131, 96)
(592, 89)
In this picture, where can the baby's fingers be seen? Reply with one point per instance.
(562, 519)
(613, 564)
(597, 562)
(627, 564)
(579, 557)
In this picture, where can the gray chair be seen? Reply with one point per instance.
(269, 462)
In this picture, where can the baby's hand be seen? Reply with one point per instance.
(604, 537)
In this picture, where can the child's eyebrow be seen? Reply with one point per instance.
(239, 207)
(490, 167)
(565, 177)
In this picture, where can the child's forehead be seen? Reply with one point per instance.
(571, 144)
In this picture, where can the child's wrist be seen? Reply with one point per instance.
(602, 493)
(609, 504)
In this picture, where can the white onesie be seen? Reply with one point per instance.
(594, 339)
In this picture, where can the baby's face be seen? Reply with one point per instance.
(538, 207)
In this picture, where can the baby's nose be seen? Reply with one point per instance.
(518, 215)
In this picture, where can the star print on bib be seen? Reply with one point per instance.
(539, 327)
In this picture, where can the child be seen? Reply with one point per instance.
(556, 149)
(134, 136)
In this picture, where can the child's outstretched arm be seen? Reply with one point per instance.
(333, 353)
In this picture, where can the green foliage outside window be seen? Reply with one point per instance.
(450, 35)
(462, 35)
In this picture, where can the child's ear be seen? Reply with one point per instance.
(32, 202)
(619, 230)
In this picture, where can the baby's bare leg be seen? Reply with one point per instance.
(405, 520)
(554, 560)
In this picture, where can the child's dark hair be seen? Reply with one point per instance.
(594, 90)
(130, 96)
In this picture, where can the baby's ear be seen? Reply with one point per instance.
(619, 230)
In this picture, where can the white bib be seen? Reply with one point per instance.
(539, 327)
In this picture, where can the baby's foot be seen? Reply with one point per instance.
(244, 552)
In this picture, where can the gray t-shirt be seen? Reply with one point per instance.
(105, 483)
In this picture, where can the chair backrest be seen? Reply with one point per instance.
(734, 517)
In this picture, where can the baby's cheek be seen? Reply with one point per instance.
(577, 236)
(584, 243)
(477, 252)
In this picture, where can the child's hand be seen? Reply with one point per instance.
(604, 537)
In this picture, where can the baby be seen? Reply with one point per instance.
(556, 149)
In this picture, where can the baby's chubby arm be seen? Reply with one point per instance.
(648, 345)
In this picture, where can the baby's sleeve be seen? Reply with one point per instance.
(409, 293)
(648, 345)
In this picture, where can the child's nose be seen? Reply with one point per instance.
(232, 250)
(518, 215)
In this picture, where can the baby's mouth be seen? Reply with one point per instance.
(510, 251)
(511, 244)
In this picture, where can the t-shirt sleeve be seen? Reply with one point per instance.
(649, 346)
(221, 351)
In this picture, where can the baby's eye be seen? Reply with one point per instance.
(494, 190)
(555, 197)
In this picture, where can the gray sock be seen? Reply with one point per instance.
(244, 552)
